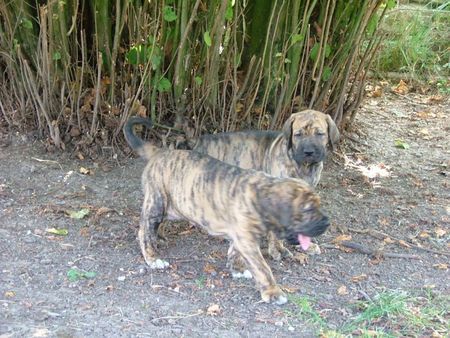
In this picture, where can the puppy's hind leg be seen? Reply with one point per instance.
(152, 215)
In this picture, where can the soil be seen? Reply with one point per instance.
(404, 211)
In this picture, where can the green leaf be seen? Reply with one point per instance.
(59, 232)
(56, 56)
(27, 24)
(169, 14)
(401, 144)
(326, 73)
(78, 214)
(74, 274)
(327, 50)
(229, 11)
(156, 61)
(89, 274)
(314, 51)
(207, 38)
(132, 55)
(198, 80)
(164, 85)
(391, 4)
(372, 25)
(297, 38)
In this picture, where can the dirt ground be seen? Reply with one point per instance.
(71, 266)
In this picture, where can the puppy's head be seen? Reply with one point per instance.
(307, 135)
(291, 209)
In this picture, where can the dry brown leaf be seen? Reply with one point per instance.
(313, 249)
(360, 278)
(301, 258)
(388, 240)
(213, 310)
(85, 171)
(209, 268)
(436, 99)
(404, 244)
(440, 232)
(401, 88)
(342, 290)
(441, 266)
(289, 289)
(9, 294)
(342, 238)
(424, 234)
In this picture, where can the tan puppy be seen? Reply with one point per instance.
(242, 205)
(297, 151)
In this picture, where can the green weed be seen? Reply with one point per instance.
(416, 42)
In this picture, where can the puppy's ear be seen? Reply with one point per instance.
(287, 131)
(333, 132)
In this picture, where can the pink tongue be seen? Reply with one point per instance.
(304, 241)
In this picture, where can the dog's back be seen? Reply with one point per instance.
(245, 149)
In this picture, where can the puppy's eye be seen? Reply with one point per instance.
(320, 133)
(298, 134)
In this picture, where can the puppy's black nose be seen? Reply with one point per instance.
(309, 152)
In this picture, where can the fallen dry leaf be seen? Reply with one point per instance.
(436, 99)
(440, 232)
(441, 266)
(289, 289)
(313, 249)
(85, 171)
(342, 290)
(301, 257)
(213, 310)
(209, 268)
(401, 88)
(9, 294)
(342, 238)
(360, 278)
(404, 244)
(424, 234)
(388, 240)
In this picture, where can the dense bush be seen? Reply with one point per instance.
(76, 69)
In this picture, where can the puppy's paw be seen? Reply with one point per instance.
(244, 274)
(274, 295)
(157, 264)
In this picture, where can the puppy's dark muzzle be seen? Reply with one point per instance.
(309, 153)
(312, 229)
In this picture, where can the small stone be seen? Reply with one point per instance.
(142, 270)
(121, 278)
(291, 328)
(279, 323)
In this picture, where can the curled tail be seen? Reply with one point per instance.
(133, 141)
(143, 148)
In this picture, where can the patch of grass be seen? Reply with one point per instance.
(305, 310)
(200, 282)
(416, 42)
(396, 313)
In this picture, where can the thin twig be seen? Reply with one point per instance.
(376, 253)
(199, 312)
(47, 161)
(377, 234)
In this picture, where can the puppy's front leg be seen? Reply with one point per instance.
(250, 251)
(151, 218)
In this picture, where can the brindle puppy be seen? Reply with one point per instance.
(297, 151)
(242, 205)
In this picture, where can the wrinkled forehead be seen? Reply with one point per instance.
(310, 122)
